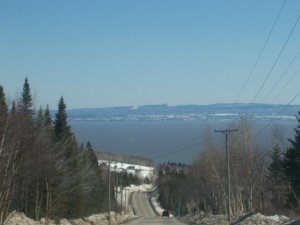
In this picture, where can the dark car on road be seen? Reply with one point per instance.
(165, 213)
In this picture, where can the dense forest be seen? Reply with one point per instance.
(263, 177)
(44, 172)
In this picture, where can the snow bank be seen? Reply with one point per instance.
(257, 218)
(246, 219)
(157, 207)
(16, 218)
(134, 169)
(278, 218)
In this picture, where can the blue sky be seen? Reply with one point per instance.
(136, 52)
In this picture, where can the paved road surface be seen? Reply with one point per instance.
(141, 205)
(143, 209)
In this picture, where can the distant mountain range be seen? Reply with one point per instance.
(186, 112)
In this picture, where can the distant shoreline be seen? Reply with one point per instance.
(215, 112)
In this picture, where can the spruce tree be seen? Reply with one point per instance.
(26, 99)
(95, 195)
(3, 112)
(13, 108)
(39, 121)
(276, 167)
(61, 128)
(277, 183)
(89, 146)
(292, 163)
(68, 189)
(3, 105)
(25, 127)
(47, 117)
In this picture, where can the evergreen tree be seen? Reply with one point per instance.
(47, 117)
(26, 99)
(91, 155)
(61, 128)
(95, 195)
(39, 118)
(3, 111)
(24, 127)
(277, 183)
(69, 190)
(43, 171)
(89, 146)
(13, 108)
(3, 105)
(292, 163)
(276, 166)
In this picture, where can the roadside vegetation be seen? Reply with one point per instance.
(264, 174)
(44, 171)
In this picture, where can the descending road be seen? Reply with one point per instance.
(141, 205)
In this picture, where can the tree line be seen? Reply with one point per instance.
(264, 177)
(44, 172)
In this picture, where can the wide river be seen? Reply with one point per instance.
(160, 141)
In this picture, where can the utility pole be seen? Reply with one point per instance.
(122, 180)
(226, 132)
(126, 200)
(109, 190)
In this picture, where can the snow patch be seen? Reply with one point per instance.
(134, 169)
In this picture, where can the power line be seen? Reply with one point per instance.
(290, 102)
(188, 147)
(171, 148)
(276, 61)
(286, 84)
(176, 149)
(282, 75)
(277, 82)
(281, 111)
(260, 52)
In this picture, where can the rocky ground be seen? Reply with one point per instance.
(246, 219)
(17, 218)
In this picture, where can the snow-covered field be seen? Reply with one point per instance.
(134, 169)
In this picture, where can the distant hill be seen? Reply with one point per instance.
(186, 112)
(123, 158)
